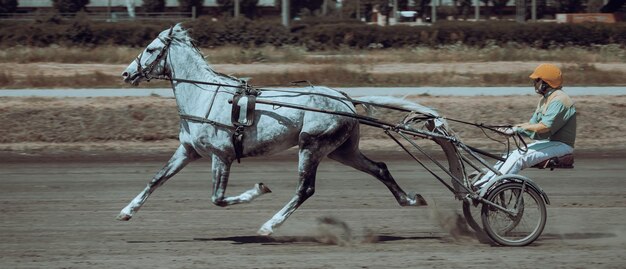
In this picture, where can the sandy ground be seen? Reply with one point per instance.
(64, 69)
(62, 215)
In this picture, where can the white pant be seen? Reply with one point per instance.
(518, 160)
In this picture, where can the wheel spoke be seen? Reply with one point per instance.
(520, 228)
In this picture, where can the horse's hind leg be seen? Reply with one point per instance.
(221, 172)
(350, 155)
(307, 169)
(180, 159)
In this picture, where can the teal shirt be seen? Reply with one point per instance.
(557, 112)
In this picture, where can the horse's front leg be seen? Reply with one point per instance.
(221, 172)
(180, 159)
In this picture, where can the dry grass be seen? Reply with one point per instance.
(577, 75)
(461, 53)
(117, 119)
(93, 80)
(104, 54)
(288, 54)
(6, 79)
(237, 55)
(450, 53)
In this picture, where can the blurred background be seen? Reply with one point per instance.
(481, 47)
(344, 38)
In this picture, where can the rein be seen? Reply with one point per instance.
(261, 90)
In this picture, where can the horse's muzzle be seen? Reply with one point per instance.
(132, 79)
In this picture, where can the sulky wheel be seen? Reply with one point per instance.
(520, 218)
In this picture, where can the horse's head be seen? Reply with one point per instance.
(152, 61)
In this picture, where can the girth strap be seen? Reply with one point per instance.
(249, 95)
(238, 142)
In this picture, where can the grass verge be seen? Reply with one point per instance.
(93, 80)
(577, 75)
(289, 54)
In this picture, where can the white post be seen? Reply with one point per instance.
(285, 12)
(520, 10)
(237, 8)
(433, 17)
(324, 7)
(358, 10)
(395, 11)
(477, 10)
(130, 7)
(339, 7)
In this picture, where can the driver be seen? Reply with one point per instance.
(553, 124)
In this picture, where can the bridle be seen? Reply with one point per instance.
(146, 72)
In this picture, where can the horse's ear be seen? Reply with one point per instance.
(179, 27)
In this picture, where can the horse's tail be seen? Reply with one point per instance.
(401, 103)
(395, 101)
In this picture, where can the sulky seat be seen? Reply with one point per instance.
(565, 161)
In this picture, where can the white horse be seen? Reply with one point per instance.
(208, 131)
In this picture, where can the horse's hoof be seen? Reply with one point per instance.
(417, 199)
(420, 201)
(123, 217)
(263, 188)
(264, 232)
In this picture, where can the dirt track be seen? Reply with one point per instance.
(61, 215)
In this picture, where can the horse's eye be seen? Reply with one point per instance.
(151, 50)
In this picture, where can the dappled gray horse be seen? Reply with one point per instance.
(206, 129)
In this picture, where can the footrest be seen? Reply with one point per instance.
(565, 161)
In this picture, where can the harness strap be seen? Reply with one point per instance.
(145, 72)
(203, 120)
(238, 142)
(237, 136)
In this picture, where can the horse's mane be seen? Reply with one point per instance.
(181, 35)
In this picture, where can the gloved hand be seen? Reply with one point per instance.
(506, 131)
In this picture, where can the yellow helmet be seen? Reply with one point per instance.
(550, 74)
